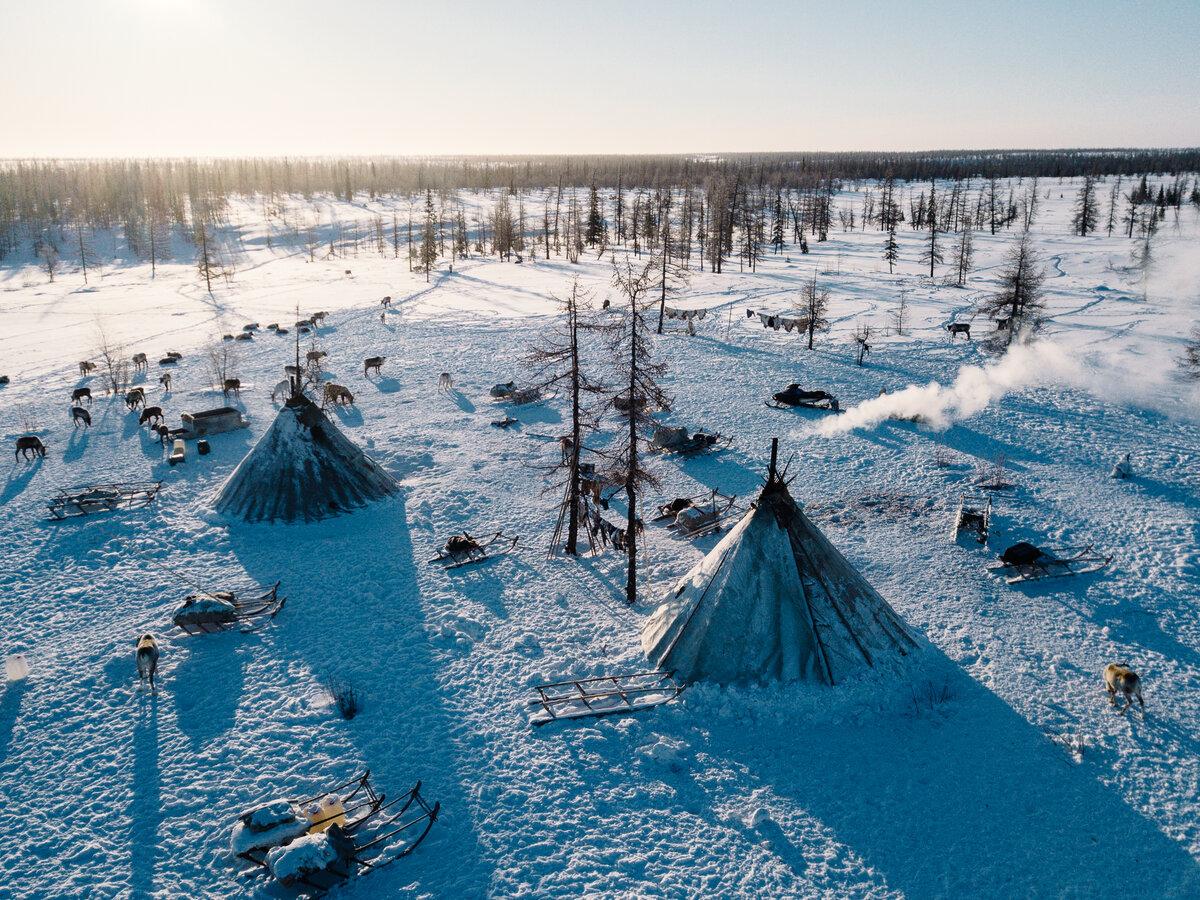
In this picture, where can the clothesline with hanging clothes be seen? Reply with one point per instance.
(787, 323)
(672, 313)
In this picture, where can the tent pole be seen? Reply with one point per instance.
(771, 474)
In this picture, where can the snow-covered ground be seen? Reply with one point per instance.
(965, 780)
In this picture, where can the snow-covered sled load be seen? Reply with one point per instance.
(604, 696)
(303, 468)
(1025, 562)
(774, 600)
(318, 842)
(207, 613)
(675, 439)
(694, 517)
(793, 395)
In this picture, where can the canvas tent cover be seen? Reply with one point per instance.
(774, 600)
(303, 468)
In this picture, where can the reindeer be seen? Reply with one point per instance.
(338, 395)
(566, 444)
(959, 328)
(1002, 324)
(319, 317)
(283, 389)
(386, 302)
(151, 414)
(253, 326)
(1119, 677)
(81, 394)
(135, 398)
(87, 368)
(163, 432)
(147, 658)
(314, 357)
(232, 386)
(165, 380)
(227, 337)
(373, 362)
(140, 364)
(79, 414)
(30, 443)
(175, 355)
(445, 382)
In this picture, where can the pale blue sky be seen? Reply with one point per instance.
(224, 77)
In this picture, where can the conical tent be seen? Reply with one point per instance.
(774, 600)
(302, 468)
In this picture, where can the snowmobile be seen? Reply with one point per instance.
(793, 395)
(463, 549)
(1024, 562)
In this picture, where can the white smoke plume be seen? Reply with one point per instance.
(974, 389)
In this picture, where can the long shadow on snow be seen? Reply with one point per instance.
(19, 477)
(207, 687)
(10, 710)
(77, 445)
(145, 807)
(968, 800)
(354, 604)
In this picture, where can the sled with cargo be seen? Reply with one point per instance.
(1024, 562)
(668, 439)
(85, 501)
(694, 517)
(604, 696)
(313, 844)
(247, 609)
(464, 550)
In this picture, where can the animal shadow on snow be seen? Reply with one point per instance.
(965, 800)
(77, 445)
(145, 805)
(19, 477)
(462, 401)
(386, 385)
(367, 601)
(10, 711)
(207, 687)
(348, 415)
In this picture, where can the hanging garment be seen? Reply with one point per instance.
(749, 314)
(788, 325)
(762, 317)
(701, 313)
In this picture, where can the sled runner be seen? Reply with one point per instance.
(463, 550)
(974, 516)
(504, 423)
(694, 517)
(1025, 562)
(208, 613)
(103, 498)
(316, 843)
(793, 395)
(601, 696)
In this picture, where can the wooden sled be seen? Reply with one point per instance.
(974, 517)
(481, 552)
(376, 831)
(700, 442)
(96, 498)
(1056, 563)
(710, 513)
(250, 613)
(603, 696)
